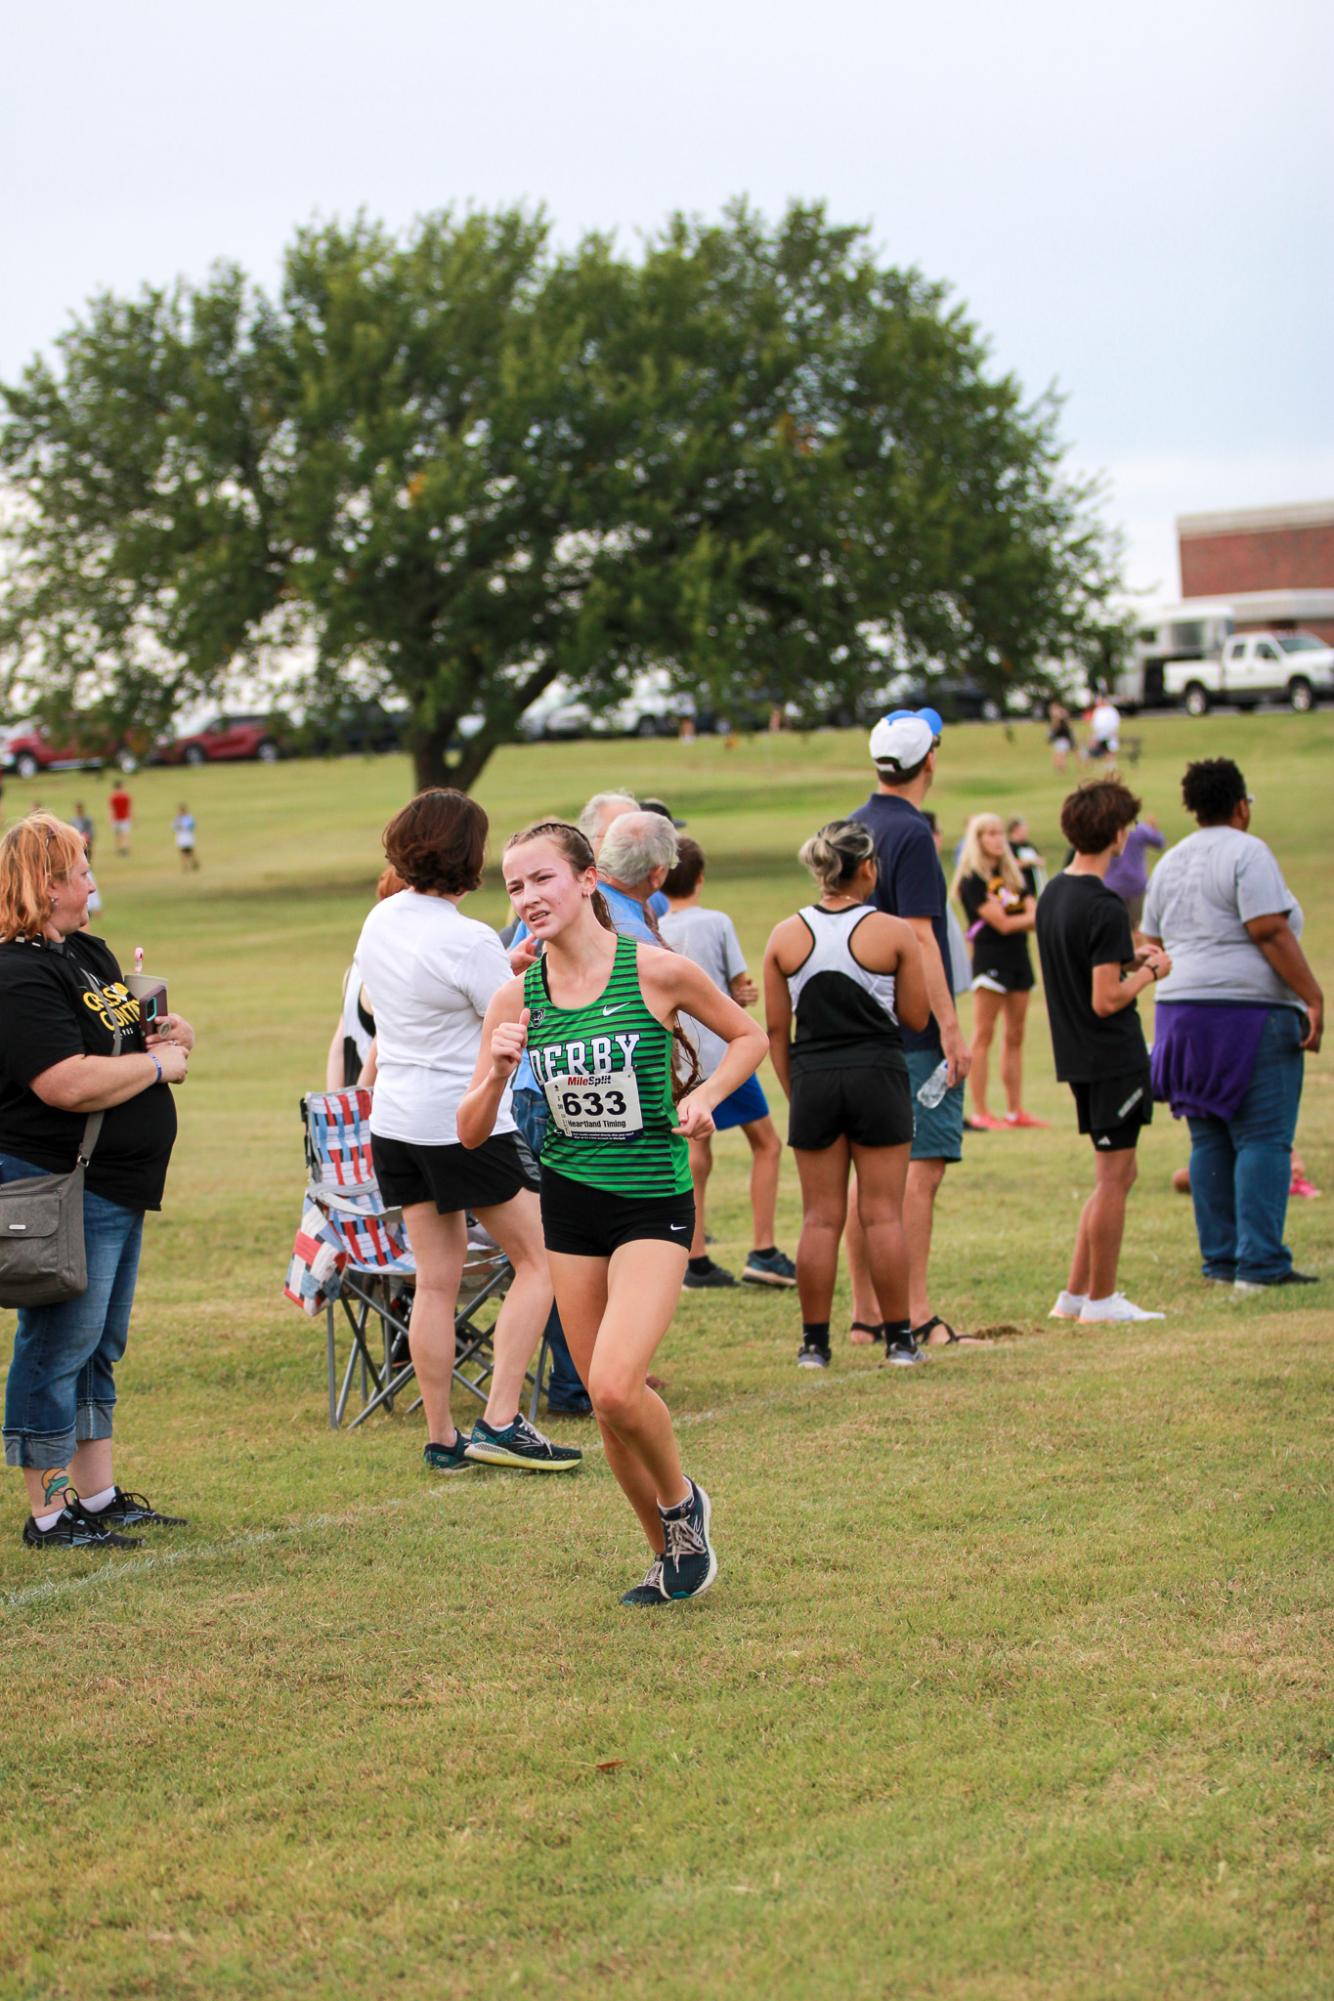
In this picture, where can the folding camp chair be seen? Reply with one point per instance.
(377, 1273)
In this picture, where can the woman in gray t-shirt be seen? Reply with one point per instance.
(1234, 1019)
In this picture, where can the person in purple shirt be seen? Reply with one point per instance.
(1128, 872)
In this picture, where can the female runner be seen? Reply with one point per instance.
(1001, 914)
(597, 1014)
(849, 973)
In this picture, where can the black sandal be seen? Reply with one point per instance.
(921, 1335)
(874, 1329)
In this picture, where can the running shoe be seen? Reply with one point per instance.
(76, 1529)
(982, 1122)
(650, 1592)
(135, 1511)
(903, 1354)
(448, 1458)
(713, 1276)
(1301, 1186)
(1026, 1119)
(1069, 1305)
(689, 1565)
(769, 1268)
(1247, 1285)
(521, 1445)
(811, 1355)
(1115, 1307)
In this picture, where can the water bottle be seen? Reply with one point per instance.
(935, 1086)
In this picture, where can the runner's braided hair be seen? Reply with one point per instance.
(569, 841)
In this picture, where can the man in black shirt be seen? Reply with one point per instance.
(910, 883)
(1093, 977)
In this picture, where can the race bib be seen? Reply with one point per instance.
(604, 1106)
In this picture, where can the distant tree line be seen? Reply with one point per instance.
(461, 463)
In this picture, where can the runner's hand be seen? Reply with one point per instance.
(695, 1120)
(508, 1043)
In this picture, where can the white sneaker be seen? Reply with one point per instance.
(1116, 1307)
(1069, 1305)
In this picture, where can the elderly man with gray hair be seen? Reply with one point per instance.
(598, 814)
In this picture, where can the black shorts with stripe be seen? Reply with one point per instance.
(1112, 1110)
(453, 1177)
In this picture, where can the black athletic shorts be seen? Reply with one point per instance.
(1112, 1109)
(586, 1222)
(453, 1177)
(868, 1106)
(1005, 979)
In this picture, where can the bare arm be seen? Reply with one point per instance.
(942, 1005)
(1282, 948)
(333, 1062)
(370, 1069)
(504, 1038)
(1114, 990)
(97, 1083)
(1005, 921)
(778, 1011)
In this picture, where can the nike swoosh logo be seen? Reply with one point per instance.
(614, 1010)
(676, 1226)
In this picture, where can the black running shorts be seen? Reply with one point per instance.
(586, 1222)
(1113, 1109)
(868, 1106)
(453, 1177)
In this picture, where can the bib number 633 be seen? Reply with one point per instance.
(602, 1107)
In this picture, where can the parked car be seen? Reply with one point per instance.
(956, 700)
(653, 707)
(1253, 667)
(227, 739)
(357, 728)
(26, 750)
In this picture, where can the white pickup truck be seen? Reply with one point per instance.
(1254, 667)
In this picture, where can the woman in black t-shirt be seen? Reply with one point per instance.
(64, 1000)
(998, 909)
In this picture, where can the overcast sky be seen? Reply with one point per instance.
(1134, 202)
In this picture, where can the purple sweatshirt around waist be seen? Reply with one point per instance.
(1204, 1057)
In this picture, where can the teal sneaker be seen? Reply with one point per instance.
(520, 1445)
(650, 1592)
(769, 1268)
(689, 1565)
(448, 1458)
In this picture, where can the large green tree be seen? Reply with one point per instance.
(458, 465)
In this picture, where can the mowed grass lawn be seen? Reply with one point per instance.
(1013, 1682)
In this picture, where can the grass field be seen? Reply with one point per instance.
(1015, 1680)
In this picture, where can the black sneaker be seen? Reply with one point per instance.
(575, 1407)
(650, 1592)
(448, 1458)
(769, 1268)
(699, 1281)
(811, 1355)
(520, 1444)
(76, 1529)
(136, 1511)
(1289, 1277)
(689, 1565)
(903, 1354)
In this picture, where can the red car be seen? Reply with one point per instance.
(226, 739)
(27, 751)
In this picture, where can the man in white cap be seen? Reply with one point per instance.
(911, 885)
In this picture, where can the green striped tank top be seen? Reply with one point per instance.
(606, 1072)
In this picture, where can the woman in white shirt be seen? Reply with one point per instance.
(430, 972)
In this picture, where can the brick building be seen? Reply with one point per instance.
(1276, 564)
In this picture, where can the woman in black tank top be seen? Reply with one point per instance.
(850, 973)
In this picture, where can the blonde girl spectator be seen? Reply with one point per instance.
(999, 912)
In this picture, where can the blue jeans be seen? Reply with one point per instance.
(61, 1389)
(1241, 1168)
(564, 1384)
